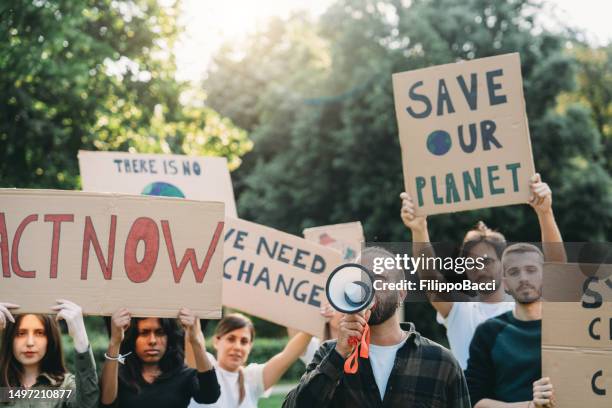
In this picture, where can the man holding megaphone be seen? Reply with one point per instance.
(376, 362)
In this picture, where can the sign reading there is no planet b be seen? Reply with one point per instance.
(464, 135)
(167, 175)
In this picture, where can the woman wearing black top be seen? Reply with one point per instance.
(145, 363)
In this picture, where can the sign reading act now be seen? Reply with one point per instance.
(106, 251)
(464, 135)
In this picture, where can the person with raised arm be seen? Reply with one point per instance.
(145, 365)
(243, 385)
(462, 318)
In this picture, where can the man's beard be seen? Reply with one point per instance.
(383, 310)
(526, 300)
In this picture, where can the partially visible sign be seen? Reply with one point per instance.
(196, 178)
(345, 238)
(464, 135)
(581, 377)
(106, 251)
(276, 276)
(577, 334)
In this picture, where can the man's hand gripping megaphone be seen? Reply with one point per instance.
(350, 291)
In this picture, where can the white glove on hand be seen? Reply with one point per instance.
(73, 315)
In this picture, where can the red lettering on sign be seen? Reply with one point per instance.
(89, 237)
(57, 220)
(15, 248)
(6, 272)
(143, 229)
(190, 255)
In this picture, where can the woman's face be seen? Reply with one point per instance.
(151, 342)
(30, 341)
(233, 348)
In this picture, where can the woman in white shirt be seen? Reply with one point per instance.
(242, 386)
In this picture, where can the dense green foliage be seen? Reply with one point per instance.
(316, 97)
(95, 74)
(317, 100)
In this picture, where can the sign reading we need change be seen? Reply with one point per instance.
(464, 135)
(276, 276)
(107, 251)
(196, 178)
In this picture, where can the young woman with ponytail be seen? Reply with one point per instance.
(242, 386)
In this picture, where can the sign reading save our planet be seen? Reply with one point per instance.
(464, 135)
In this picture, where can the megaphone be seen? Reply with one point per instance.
(350, 288)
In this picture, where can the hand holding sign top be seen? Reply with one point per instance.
(191, 325)
(120, 321)
(540, 195)
(408, 214)
(5, 314)
(195, 337)
(73, 315)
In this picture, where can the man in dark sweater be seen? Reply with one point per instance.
(504, 367)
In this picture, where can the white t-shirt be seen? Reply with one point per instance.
(230, 391)
(382, 359)
(311, 349)
(462, 321)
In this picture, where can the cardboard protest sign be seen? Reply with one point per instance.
(577, 334)
(464, 135)
(106, 251)
(345, 238)
(581, 377)
(196, 178)
(276, 276)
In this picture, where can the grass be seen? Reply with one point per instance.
(275, 401)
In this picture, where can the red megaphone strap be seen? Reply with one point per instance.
(361, 349)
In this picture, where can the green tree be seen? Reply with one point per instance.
(319, 108)
(320, 111)
(95, 74)
(594, 90)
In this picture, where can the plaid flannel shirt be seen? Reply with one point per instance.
(424, 375)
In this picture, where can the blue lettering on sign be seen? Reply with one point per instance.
(465, 186)
(150, 166)
(444, 104)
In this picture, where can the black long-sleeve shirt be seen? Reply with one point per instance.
(505, 359)
(170, 391)
(424, 374)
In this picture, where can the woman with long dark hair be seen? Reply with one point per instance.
(242, 386)
(31, 357)
(145, 363)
